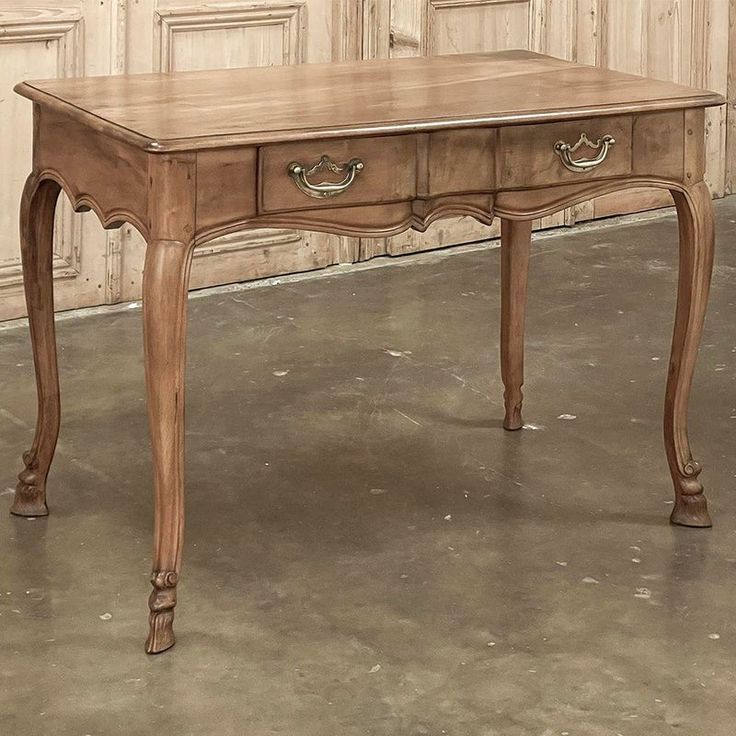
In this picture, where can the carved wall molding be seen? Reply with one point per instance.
(289, 16)
(62, 29)
(433, 8)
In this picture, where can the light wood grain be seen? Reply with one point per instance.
(37, 228)
(365, 98)
(516, 236)
(165, 282)
(695, 217)
(524, 151)
(389, 173)
(183, 199)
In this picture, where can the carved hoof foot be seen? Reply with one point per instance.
(513, 421)
(29, 499)
(21, 508)
(691, 511)
(161, 632)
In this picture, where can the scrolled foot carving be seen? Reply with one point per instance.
(30, 493)
(161, 604)
(691, 507)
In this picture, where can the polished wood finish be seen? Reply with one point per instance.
(524, 159)
(172, 196)
(390, 174)
(697, 237)
(36, 231)
(516, 238)
(275, 104)
(187, 158)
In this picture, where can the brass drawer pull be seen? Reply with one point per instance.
(565, 152)
(299, 174)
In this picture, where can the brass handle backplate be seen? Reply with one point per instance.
(299, 173)
(565, 151)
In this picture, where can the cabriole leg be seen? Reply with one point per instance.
(165, 283)
(695, 217)
(515, 244)
(36, 242)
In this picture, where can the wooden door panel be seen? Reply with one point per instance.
(454, 27)
(38, 42)
(228, 37)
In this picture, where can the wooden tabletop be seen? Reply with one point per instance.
(192, 110)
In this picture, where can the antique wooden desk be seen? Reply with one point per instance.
(358, 148)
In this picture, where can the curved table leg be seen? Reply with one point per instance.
(165, 283)
(36, 237)
(515, 243)
(695, 216)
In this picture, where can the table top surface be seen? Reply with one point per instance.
(207, 109)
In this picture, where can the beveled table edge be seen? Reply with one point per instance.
(195, 143)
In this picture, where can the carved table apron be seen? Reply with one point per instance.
(359, 148)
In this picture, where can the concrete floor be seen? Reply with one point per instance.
(368, 553)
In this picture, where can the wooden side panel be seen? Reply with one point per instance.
(694, 160)
(87, 161)
(226, 186)
(657, 145)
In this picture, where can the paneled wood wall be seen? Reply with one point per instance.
(689, 41)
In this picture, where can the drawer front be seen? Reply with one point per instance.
(461, 161)
(361, 170)
(529, 155)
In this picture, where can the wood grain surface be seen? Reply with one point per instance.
(189, 110)
(465, 136)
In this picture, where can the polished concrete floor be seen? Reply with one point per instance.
(368, 553)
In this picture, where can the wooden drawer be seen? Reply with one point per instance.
(527, 156)
(388, 173)
(460, 161)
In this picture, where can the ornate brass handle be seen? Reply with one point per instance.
(565, 152)
(299, 173)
